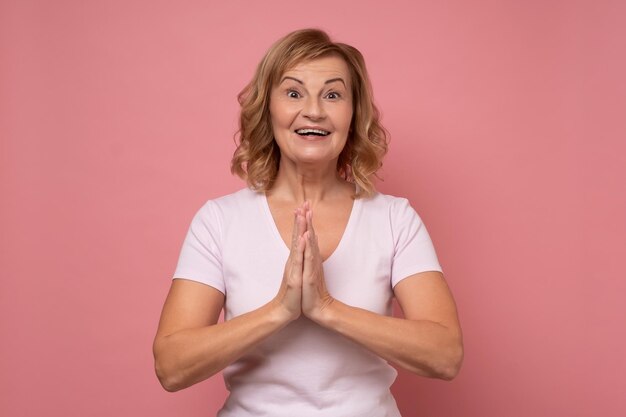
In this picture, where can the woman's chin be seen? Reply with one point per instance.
(314, 159)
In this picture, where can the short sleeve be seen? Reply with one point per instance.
(200, 257)
(413, 249)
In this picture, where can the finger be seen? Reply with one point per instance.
(309, 224)
(308, 255)
(294, 232)
(302, 227)
(309, 219)
(298, 257)
(299, 225)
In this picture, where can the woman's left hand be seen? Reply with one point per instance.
(428, 341)
(315, 296)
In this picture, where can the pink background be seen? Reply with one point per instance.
(508, 123)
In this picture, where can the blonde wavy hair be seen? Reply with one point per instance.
(257, 157)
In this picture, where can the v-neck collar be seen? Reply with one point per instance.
(278, 239)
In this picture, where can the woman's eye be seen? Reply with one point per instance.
(332, 95)
(293, 94)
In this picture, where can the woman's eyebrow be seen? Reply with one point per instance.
(332, 80)
(290, 78)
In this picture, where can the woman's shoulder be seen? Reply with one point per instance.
(225, 202)
(228, 203)
(243, 195)
(388, 202)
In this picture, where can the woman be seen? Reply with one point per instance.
(306, 260)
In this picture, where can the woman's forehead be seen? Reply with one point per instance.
(329, 67)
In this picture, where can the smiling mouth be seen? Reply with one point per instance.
(312, 132)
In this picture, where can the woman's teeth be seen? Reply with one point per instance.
(310, 132)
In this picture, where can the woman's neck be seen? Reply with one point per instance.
(299, 183)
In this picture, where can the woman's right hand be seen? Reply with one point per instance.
(190, 344)
(289, 297)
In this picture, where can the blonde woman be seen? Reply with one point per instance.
(306, 259)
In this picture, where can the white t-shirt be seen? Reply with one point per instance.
(306, 370)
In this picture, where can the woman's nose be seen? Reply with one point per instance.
(313, 108)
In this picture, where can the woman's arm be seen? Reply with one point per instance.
(190, 346)
(427, 341)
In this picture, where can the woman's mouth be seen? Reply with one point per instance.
(312, 133)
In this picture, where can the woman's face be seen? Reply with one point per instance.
(311, 111)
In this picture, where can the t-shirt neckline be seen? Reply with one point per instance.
(277, 238)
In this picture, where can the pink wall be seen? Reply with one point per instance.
(508, 135)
